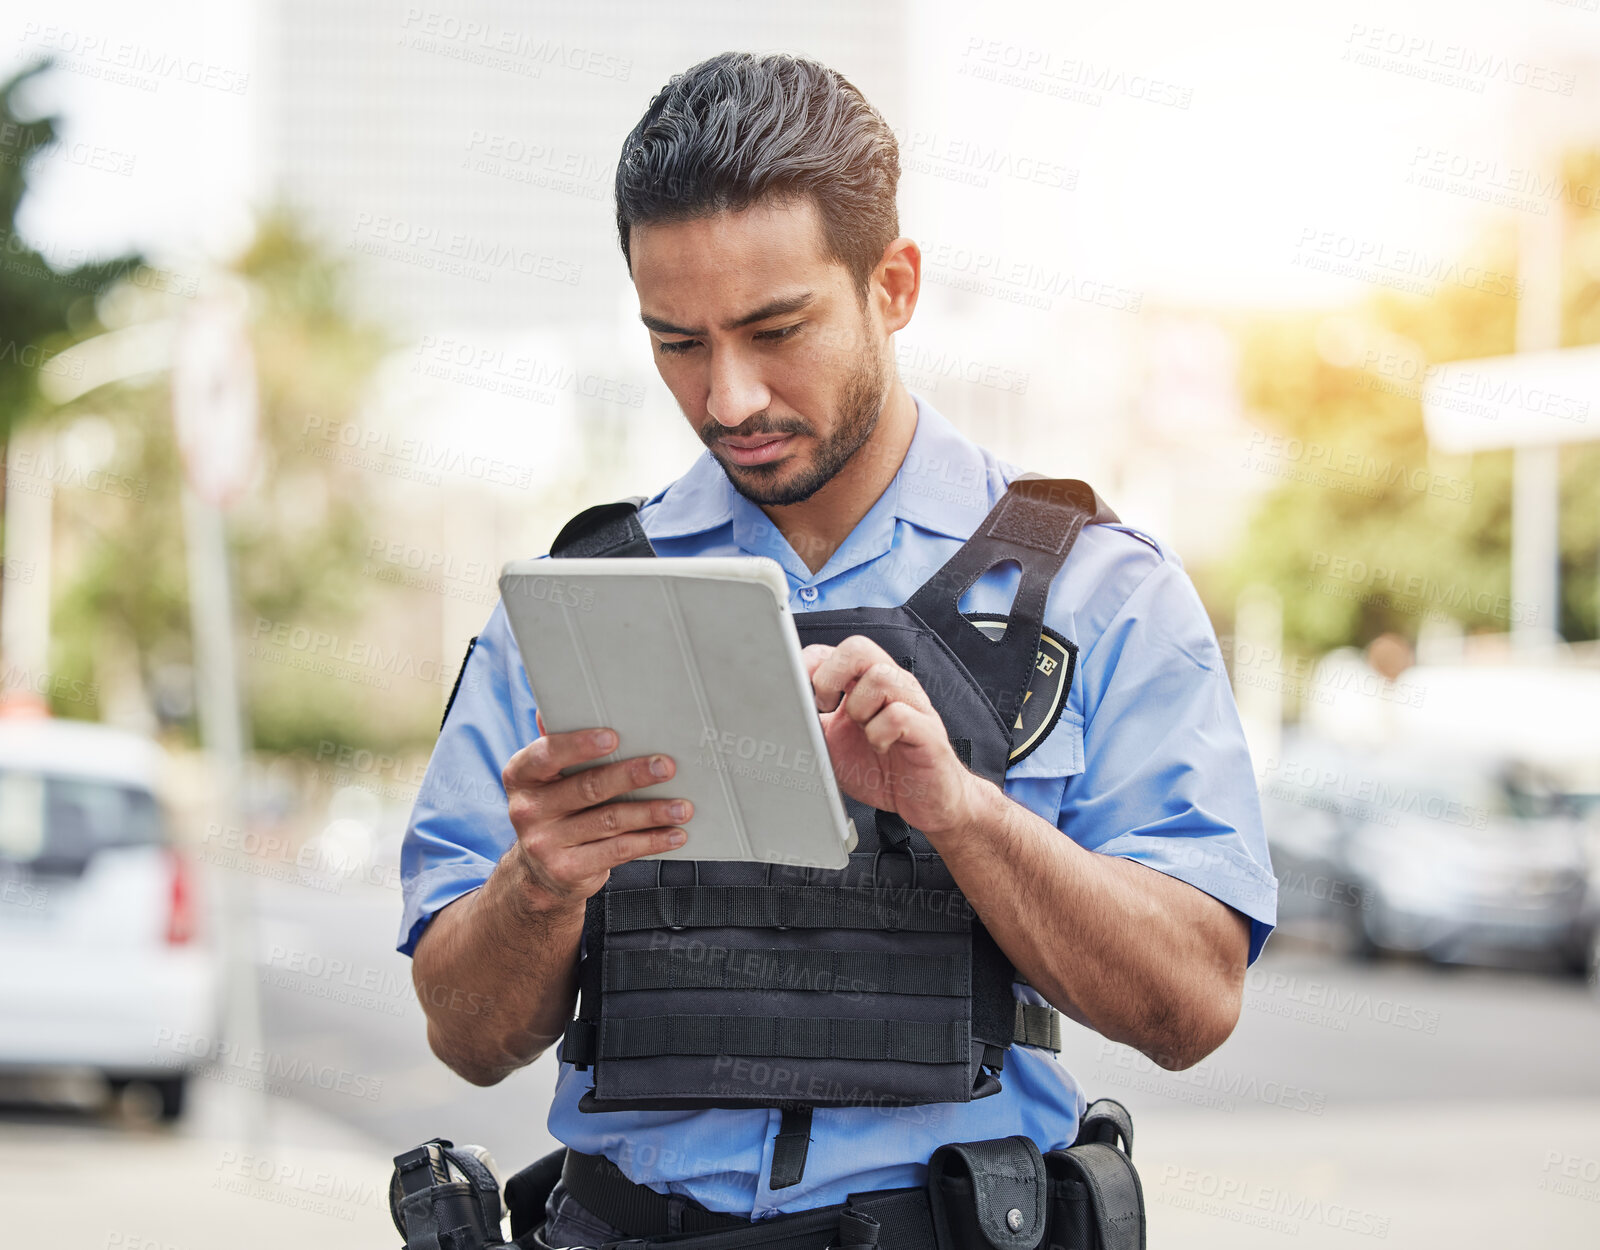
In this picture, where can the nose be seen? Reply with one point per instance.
(736, 392)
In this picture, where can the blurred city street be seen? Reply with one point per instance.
(1416, 1105)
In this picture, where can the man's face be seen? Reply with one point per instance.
(760, 338)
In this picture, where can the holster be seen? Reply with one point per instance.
(1004, 1195)
(529, 1190)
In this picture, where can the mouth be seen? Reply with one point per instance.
(756, 449)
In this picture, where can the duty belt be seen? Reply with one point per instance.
(1001, 1195)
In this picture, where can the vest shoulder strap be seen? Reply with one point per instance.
(607, 529)
(1035, 524)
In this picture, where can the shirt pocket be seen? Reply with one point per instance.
(1039, 780)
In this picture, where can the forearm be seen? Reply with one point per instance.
(1138, 956)
(496, 974)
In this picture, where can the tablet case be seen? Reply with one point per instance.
(698, 659)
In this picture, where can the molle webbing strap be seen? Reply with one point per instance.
(1035, 524)
(608, 529)
(785, 1037)
(757, 968)
(1038, 1026)
(785, 907)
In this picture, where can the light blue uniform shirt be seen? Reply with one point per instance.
(1147, 761)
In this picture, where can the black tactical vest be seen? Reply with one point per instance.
(715, 984)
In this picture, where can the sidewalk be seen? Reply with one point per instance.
(1467, 1176)
(73, 1181)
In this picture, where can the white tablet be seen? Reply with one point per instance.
(697, 659)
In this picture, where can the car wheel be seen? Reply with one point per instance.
(1582, 958)
(148, 1099)
(1355, 934)
(172, 1090)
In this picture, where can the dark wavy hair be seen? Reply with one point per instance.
(738, 128)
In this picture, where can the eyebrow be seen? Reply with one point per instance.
(773, 308)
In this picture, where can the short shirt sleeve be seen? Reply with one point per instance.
(1167, 778)
(459, 826)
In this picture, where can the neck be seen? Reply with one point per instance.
(815, 528)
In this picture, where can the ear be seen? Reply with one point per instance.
(896, 283)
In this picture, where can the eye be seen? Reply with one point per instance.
(777, 336)
(675, 348)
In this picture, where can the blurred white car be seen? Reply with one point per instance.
(1455, 856)
(99, 923)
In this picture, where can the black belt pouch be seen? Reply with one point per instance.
(988, 1195)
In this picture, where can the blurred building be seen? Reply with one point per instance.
(469, 152)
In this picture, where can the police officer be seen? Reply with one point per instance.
(1118, 863)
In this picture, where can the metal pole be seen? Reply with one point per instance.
(25, 608)
(1536, 471)
(222, 731)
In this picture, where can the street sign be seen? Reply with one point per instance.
(1531, 399)
(214, 400)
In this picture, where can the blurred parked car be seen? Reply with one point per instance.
(1456, 857)
(98, 915)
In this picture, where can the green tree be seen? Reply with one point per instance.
(295, 535)
(43, 309)
(1420, 534)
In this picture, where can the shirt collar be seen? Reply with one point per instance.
(946, 484)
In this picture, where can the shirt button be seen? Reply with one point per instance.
(808, 593)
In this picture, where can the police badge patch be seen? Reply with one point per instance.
(1047, 690)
